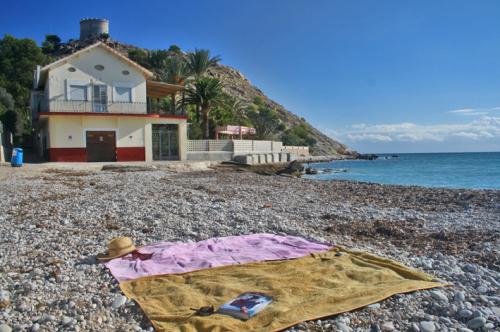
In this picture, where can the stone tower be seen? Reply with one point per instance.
(92, 28)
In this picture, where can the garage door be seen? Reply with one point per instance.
(101, 146)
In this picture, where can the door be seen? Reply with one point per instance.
(100, 98)
(101, 146)
(165, 142)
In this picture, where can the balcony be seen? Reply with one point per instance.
(41, 104)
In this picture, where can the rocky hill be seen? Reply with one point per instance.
(241, 88)
(238, 86)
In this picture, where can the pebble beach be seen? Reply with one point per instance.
(54, 222)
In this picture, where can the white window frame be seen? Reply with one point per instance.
(124, 85)
(69, 83)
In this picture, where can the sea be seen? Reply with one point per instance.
(476, 170)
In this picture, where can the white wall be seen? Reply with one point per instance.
(85, 71)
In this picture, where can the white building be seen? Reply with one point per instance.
(95, 105)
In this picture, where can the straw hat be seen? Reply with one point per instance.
(117, 247)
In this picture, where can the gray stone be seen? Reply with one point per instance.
(465, 313)
(481, 289)
(459, 297)
(414, 327)
(35, 327)
(374, 306)
(489, 326)
(476, 323)
(5, 328)
(438, 295)
(343, 327)
(118, 301)
(388, 326)
(66, 321)
(426, 326)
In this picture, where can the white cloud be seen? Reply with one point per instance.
(484, 127)
(474, 111)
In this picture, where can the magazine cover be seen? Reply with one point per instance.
(246, 305)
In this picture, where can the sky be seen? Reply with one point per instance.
(378, 75)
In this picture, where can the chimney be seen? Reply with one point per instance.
(92, 28)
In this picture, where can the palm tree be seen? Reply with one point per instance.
(238, 108)
(206, 93)
(199, 61)
(174, 70)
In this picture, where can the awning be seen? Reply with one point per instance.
(157, 89)
(234, 130)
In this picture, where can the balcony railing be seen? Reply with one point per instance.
(77, 106)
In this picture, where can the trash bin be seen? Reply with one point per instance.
(17, 157)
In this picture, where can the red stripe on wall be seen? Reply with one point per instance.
(131, 154)
(68, 154)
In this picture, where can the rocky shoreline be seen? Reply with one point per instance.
(54, 222)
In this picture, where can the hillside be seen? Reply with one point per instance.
(241, 88)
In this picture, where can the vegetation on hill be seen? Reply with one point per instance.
(214, 94)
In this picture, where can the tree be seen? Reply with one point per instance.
(174, 70)
(6, 101)
(206, 93)
(18, 59)
(298, 135)
(140, 56)
(174, 49)
(199, 61)
(51, 43)
(264, 119)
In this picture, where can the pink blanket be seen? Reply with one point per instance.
(172, 257)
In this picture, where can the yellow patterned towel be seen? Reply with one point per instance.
(306, 288)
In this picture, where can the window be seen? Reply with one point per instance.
(123, 94)
(77, 92)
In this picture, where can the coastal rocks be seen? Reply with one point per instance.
(295, 168)
(367, 156)
(311, 171)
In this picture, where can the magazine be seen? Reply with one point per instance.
(246, 305)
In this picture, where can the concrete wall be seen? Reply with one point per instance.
(58, 78)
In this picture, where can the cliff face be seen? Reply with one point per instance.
(241, 88)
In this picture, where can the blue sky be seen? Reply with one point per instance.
(381, 76)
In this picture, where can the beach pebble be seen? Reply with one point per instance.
(482, 289)
(374, 306)
(35, 327)
(5, 328)
(476, 323)
(465, 313)
(459, 297)
(119, 301)
(388, 326)
(426, 326)
(438, 295)
(66, 321)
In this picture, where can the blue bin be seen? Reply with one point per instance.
(17, 157)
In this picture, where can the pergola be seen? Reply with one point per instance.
(157, 90)
(234, 131)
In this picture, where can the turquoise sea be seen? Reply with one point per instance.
(479, 170)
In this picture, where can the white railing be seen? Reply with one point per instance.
(236, 146)
(209, 145)
(77, 106)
